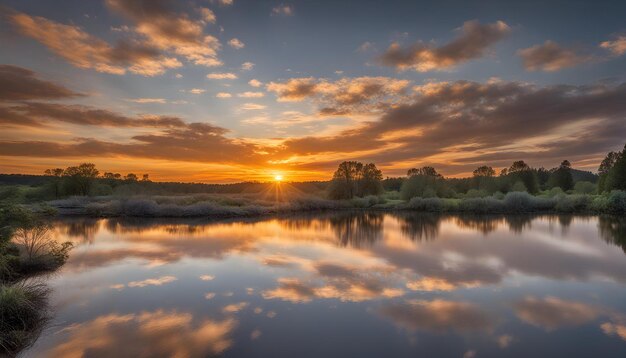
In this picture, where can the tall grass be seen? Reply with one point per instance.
(23, 314)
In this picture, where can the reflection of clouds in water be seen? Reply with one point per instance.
(146, 334)
(147, 282)
(437, 316)
(551, 312)
(616, 329)
(343, 282)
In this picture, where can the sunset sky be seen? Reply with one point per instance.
(232, 90)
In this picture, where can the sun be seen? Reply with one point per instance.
(278, 177)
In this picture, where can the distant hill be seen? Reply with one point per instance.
(581, 175)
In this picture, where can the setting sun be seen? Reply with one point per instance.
(278, 177)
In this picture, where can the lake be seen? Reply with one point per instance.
(340, 285)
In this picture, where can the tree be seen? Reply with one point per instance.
(426, 171)
(616, 177)
(562, 177)
(145, 177)
(355, 179)
(55, 175)
(520, 171)
(518, 166)
(605, 167)
(484, 171)
(422, 182)
(131, 177)
(80, 178)
(371, 181)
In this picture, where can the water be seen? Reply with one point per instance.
(341, 285)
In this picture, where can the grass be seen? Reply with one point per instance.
(23, 314)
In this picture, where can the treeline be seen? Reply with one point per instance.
(87, 180)
(357, 179)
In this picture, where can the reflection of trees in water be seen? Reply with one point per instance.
(419, 226)
(483, 223)
(517, 223)
(84, 228)
(613, 230)
(356, 229)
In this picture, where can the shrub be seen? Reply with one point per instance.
(572, 203)
(616, 202)
(584, 187)
(426, 204)
(520, 202)
(23, 314)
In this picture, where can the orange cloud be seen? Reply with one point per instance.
(550, 56)
(87, 51)
(474, 39)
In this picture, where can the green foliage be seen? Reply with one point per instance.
(584, 187)
(616, 177)
(562, 178)
(355, 179)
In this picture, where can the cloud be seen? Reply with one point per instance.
(148, 100)
(154, 333)
(617, 46)
(247, 66)
(221, 76)
(252, 106)
(168, 30)
(18, 84)
(472, 43)
(437, 316)
(225, 2)
(196, 91)
(550, 57)
(223, 95)
(251, 94)
(86, 51)
(342, 96)
(255, 83)
(207, 277)
(195, 142)
(441, 118)
(552, 312)
(208, 15)
(285, 10)
(40, 113)
(236, 43)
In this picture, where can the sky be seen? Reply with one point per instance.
(223, 91)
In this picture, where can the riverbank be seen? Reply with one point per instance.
(225, 206)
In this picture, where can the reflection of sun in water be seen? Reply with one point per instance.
(278, 177)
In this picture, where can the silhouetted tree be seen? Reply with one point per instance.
(80, 178)
(56, 181)
(426, 171)
(484, 171)
(355, 179)
(562, 177)
(606, 166)
(131, 177)
(616, 177)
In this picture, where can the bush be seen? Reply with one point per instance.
(572, 203)
(520, 202)
(23, 314)
(426, 204)
(616, 202)
(584, 187)
(482, 205)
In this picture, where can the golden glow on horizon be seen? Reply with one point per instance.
(278, 177)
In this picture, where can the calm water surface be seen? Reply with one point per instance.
(341, 285)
